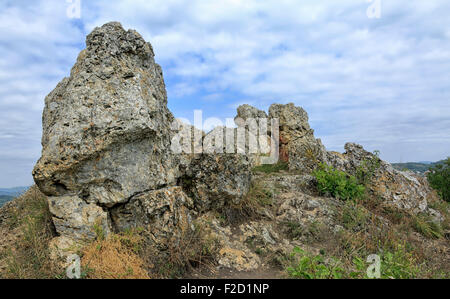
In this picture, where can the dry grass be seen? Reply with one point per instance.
(114, 257)
(426, 253)
(191, 251)
(252, 206)
(30, 220)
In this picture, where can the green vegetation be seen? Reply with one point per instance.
(337, 183)
(354, 217)
(31, 257)
(272, 168)
(424, 225)
(367, 169)
(439, 178)
(397, 263)
(307, 266)
(419, 167)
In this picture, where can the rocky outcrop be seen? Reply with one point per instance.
(298, 146)
(106, 127)
(106, 131)
(108, 158)
(164, 213)
(214, 180)
(246, 113)
(402, 190)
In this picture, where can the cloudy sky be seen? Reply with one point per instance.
(382, 82)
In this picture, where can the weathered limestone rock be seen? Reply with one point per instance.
(106, 127)
(402, 190)
(214, 180)
(298, 145)
(75, 218)
(245, 112)
(230, 252)
(106, 131)
(215, 172)
(164, 213)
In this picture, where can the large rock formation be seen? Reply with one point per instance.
(304, 153)
(108, 146)
(402, 190)
(164, 213)
(106, 131)
(113, 159)
(298, 146)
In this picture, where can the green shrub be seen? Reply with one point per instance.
(337, 183)
(354, 217)
(396, 263)
(424, 225)
(307, 266)
(366, 170)
(439, 178)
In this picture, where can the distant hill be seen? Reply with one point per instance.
(4, 199)
(8, 194)
(419, 167)
(13, 191)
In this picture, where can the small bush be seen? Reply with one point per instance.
(354, 217)
(366, 170)
(439, 178)
(337, 183)
(424, 225)
(307, 266)
(250, 206)
(192, 250)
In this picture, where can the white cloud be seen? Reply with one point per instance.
(382, 82)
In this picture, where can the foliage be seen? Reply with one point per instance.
(399, 264)
(439, 178)
(366, 171)
(309, 266)
(337, 183)
(394, 264)
(424, 225)
(354, 217)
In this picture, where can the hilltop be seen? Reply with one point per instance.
(137, 194)
(8, 194)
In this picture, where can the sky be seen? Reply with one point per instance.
(372, 72)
